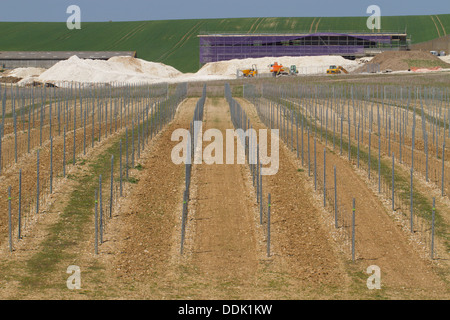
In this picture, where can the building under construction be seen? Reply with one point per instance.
(220, 46)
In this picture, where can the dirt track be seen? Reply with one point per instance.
(225, 241)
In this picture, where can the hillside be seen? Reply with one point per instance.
(175, 42)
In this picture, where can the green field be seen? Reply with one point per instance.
(175, 42)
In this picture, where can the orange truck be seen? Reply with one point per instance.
(279, 70)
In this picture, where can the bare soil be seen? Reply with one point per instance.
(224, 255)
(379, 240)
(143, 238)
(225, 243)
(37, 230)
(401, 60)
(302, 238)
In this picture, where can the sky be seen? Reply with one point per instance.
(138, 10)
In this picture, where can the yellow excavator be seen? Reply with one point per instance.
(250, 72)
(336, 70)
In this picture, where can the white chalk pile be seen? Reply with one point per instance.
(305, 65)
(117, 69)
(133, 70)
(26, 72)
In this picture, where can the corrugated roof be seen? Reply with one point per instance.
(62, 55)
(278, 34)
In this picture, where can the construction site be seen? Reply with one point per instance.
(358, 206)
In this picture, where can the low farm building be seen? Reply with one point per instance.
(46, 59)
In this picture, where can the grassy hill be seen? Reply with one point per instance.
(175, 42)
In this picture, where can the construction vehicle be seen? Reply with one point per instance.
(279, 70)
(248, 73)
(293, 70)
(336, 70)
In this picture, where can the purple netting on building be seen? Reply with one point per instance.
(226, 47)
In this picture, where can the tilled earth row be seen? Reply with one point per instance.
(379, 240)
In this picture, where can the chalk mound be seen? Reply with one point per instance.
(446, 59)
(28, 81)
(116, 69)
(147, 67)
(305, 64)
(26, 72)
